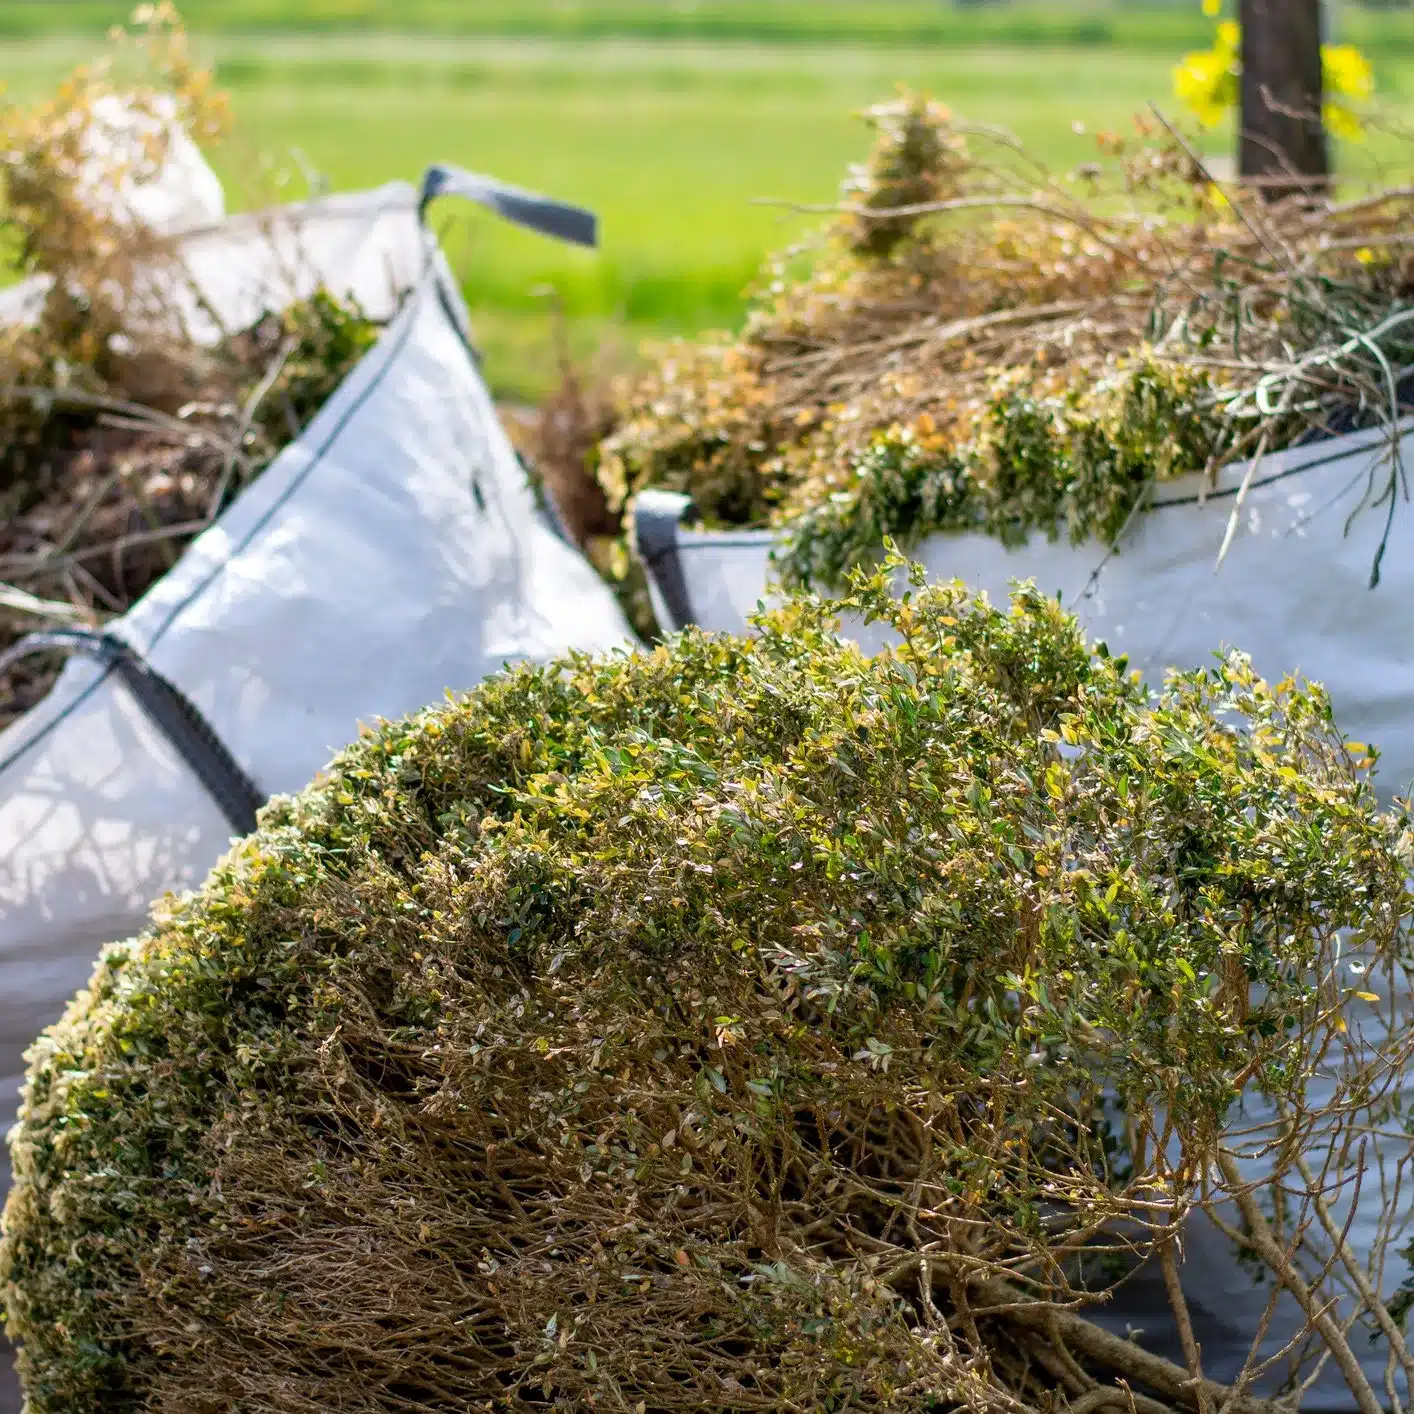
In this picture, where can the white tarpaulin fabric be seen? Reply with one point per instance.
(362, 246)
(393, 552)
(118, 178)
(1293, 591)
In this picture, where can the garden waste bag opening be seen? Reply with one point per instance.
(1293, 588)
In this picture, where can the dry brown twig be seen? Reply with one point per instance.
(968, 313)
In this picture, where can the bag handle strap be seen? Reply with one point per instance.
(168, 709)
(657, 518)
(556, 219)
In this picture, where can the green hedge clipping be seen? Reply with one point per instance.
(709, 1028)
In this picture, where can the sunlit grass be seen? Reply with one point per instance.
(675, 144)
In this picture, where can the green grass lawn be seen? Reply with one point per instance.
(873, 21)
(671, 140)
(1157, 25)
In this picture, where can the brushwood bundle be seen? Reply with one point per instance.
(743, 1025)
(978, 344)
(122, 436)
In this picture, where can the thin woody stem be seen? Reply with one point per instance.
(1265, 1245)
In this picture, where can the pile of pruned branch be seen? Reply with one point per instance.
(122, 436)
(978, 343)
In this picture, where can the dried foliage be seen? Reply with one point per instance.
(121, 434)
(66, 162)
(981, 345)
(744, 1025)
(559, 440)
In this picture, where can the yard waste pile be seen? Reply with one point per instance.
(350, 535)
(1181, 408)
(978, 344)
(752, 1024)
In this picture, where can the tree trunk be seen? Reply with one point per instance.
(1282, 146)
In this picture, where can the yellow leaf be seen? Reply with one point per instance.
(1367, 996)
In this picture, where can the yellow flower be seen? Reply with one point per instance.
(1365, 255)
(1206, 85)
(1212, 8)
(1349, 80)
(1347, 72)
(1343, 122)
(1206, 82)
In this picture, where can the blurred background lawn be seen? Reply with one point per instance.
(672, 120)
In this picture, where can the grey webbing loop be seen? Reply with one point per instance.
(656, 517)
(549, 217)
(170, 711)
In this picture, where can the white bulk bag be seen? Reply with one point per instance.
(395, 551)
(1294, 591)
(362, 246)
